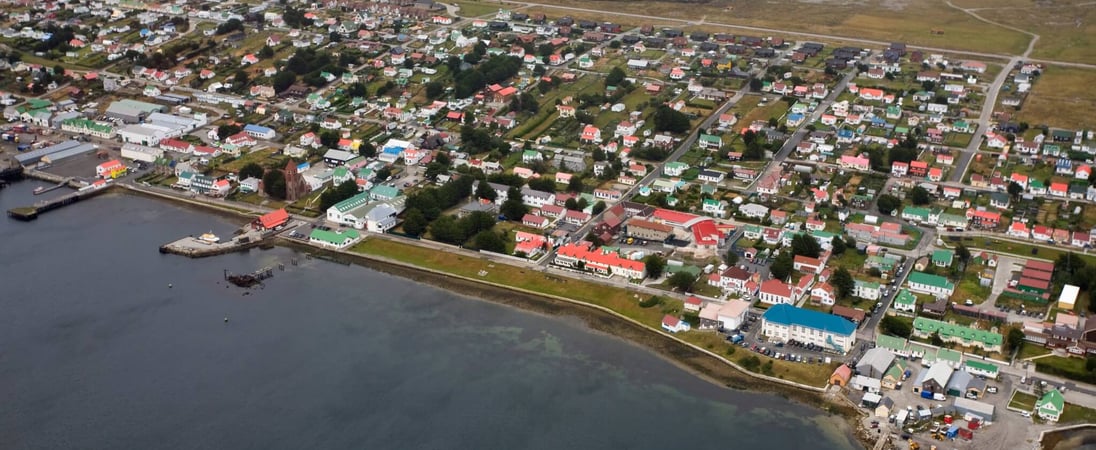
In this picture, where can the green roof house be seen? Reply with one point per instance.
(333, 239)
(965, 336)
(905, 301)
(942, 258)
(710, 142)
(895, 344)
(1050, 407)
(915, 213)
(930, 284)
(894, 376)
(982, 368)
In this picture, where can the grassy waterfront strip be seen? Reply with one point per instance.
(618, 301)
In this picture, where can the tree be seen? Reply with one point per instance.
(230, 26)
(227, 130)
(666, 119)
(1015, 338)
(486, 192)
(963, 253)
(251, 170)
(266, 52)
(283, 80)
(782, 266)
(895, 326)
(513, 208)
(384, 173)
(447, 229)
(838, 246)
(655, 265)
(919, 196)
(543, 184)
(434, 89)
(731, 258)
(1014, 189)
(490, 241)
(936, 340)
(888, 204)
(615, 77)
(805, 245)
(575, 185)
(842, 282)
(414, 222)
(336, 194)
(598, 207)
(367, 149)
(682, 281)
(274, 184)
(571, 204)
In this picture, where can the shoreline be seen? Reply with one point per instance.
(697, 361)
(688, 357)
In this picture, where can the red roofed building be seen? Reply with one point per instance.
(596, 261)
(983, 219)
(706, 236)
(271, 220)
(775, 292)
(675, 218)
(693, 303)
(807, 264)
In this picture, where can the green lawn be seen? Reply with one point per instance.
(1072, 368)
(1022, 401)
(1030, 350)
(1077, 413)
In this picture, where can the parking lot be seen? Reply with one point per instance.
(1007, 426)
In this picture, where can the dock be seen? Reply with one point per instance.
(29, 213)
(192, 247)
(63, 183)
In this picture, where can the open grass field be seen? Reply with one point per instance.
(476, 9)
(912, 22)
(1066, 28)
(1062, 97)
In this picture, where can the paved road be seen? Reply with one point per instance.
(653, 174)
(983, 121)
(801, 132)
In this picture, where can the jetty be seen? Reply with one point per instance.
(196, 247)
(28, 213)
(63, 183)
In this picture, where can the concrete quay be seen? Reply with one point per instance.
(195, 247)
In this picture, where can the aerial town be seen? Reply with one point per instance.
(881, 222)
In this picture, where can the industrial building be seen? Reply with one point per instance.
(55, 152)
(132, 111)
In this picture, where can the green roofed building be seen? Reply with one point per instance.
(930, 284)
(334, 239)
(965, 336)
(942, 258)
(894, 375)
(1050, 407)
(905, 301)
(982, 368)
(949, 357)
(895, 344)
